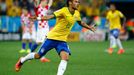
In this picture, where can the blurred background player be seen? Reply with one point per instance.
(114, 18)
(28, 28)
(42, 7)
(57, 37)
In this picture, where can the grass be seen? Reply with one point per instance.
(88, 58)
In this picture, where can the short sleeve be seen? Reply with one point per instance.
(59, 12)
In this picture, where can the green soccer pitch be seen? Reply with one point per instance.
(88, 58)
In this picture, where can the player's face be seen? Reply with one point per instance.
(44, 3)
(75, 4)
(25, 11)
(112, 7)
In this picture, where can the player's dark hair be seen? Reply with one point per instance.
(68, 2)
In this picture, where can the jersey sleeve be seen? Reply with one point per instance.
(59, 12)
(121, 14)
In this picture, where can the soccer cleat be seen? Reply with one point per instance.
(43, 59)
(22, 51)
(121, 51)
(110, 50)
(18, 66)
(28, 51)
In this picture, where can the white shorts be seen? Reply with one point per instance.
(26, 36)
(41, 34)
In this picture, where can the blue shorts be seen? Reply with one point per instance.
(50, 44)
(115, 32)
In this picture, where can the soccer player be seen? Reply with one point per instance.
(43, 28)
(27, 28)
(114, 18)
(57, 37)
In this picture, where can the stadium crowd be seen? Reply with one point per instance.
(88, 8)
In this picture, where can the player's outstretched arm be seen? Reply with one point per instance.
(46, 17)
(50, 3)
(32, 18)
(124, 21)
(83, 24)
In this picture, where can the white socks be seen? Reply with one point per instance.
(119, 43)
(112, 41)
(27, 57)
(62, 67)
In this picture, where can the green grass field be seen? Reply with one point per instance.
(88, 58)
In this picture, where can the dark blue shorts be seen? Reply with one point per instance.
(50, 44)
(115, 32)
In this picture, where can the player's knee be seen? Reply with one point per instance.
(64, 56)
(37, 56)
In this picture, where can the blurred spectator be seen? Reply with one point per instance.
(102, 7)
(14, 10)
(130, 29)
(31, 5)
(25, 3)
(9, 3)
(3, 7)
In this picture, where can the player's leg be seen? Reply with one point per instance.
(63, 51)
(113, 36)
(23, 49)
(24, 59)
(34, 47)
(38, 40)
(42, 59)
(112, 42)
(46, 46)
(25, 37)
(63, 63)
(43, 33)
(29, 37)
(121, 50)
(30, 45)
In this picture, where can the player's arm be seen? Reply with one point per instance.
(32, 17)
(124, 21)
(46, 17)
(55, 14)
(123, 18)
(107, 23)
(83, 24)
(50, 3)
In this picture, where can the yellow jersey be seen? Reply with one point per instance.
(114, 19)
(64, 23)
